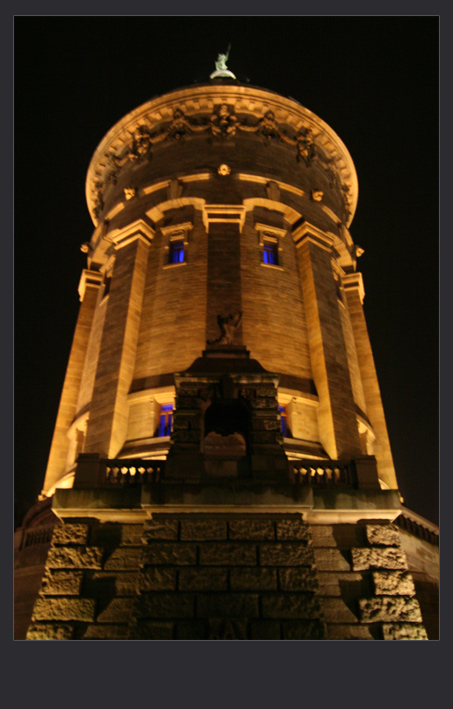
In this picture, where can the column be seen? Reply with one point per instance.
(336, 412)
(107, 425)
(88, 291)
(354, 292)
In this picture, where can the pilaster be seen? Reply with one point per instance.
(336, 414)
(109, 407)
(88, 291)
(354, 292)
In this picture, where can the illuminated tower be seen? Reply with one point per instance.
(220, 464)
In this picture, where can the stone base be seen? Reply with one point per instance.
(225, 575)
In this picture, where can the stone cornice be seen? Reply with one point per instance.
(89, 278)
(354, 281)
(137, 230)
(220, 111)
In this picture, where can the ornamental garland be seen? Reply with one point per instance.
(222, 123)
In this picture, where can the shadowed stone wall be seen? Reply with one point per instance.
(226, 577)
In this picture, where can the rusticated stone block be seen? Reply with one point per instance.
(292, 529)
(192, 630)
(251, 529)
(70, 534)
(255, 579)
(74, 558)
(299, 578)
(118, 611)
(346, 584)
(404, 631)
(386, 558)
(207, 579)
(170, 553)
(100, 583)
(50, 631)
(390, 608)
(160, 529)
(165, 605)
(145, 630)
(352, 632)
(221, 629)
(331, 560)
(285, 554)
(203, 529)
(227, 554)
(336, 611)
(159, 579)
(303, 630)
(57, 608)
(291, 605)
(393, 583)
(265, 630)
(386, 535)
(62, 583)
(105, 632)
(131, 534)
(227, 605)
(341, 536)
(123, 558)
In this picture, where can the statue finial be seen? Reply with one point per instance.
(221, 69)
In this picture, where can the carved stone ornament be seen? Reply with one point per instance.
(130, 192)
(174, 189)
(223, 122)
(273, 191)
(317, 195)
(224, 169)
(359, 251)
(222, 115)
(228, 326)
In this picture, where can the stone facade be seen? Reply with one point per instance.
(220, 466)
(256, 577)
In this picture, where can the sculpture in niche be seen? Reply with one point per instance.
(228, 326)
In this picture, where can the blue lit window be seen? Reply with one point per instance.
(176, 252)
(283, 420)
(165, 420)
(270, 253)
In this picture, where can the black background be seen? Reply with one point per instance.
(374, 80)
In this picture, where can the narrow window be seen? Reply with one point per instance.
(270, 253)
(165, 420)
(283, 420)
(176, 252)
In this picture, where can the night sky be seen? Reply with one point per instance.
(374, 80)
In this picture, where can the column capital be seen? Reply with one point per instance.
(309, 232)
(138, 230)
(88, 278)
(354, 281)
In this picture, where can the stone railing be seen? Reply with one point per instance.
(323, 473)
(133, 472)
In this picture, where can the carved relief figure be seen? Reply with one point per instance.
(306, 150)
(222, 122)
(228, 326)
